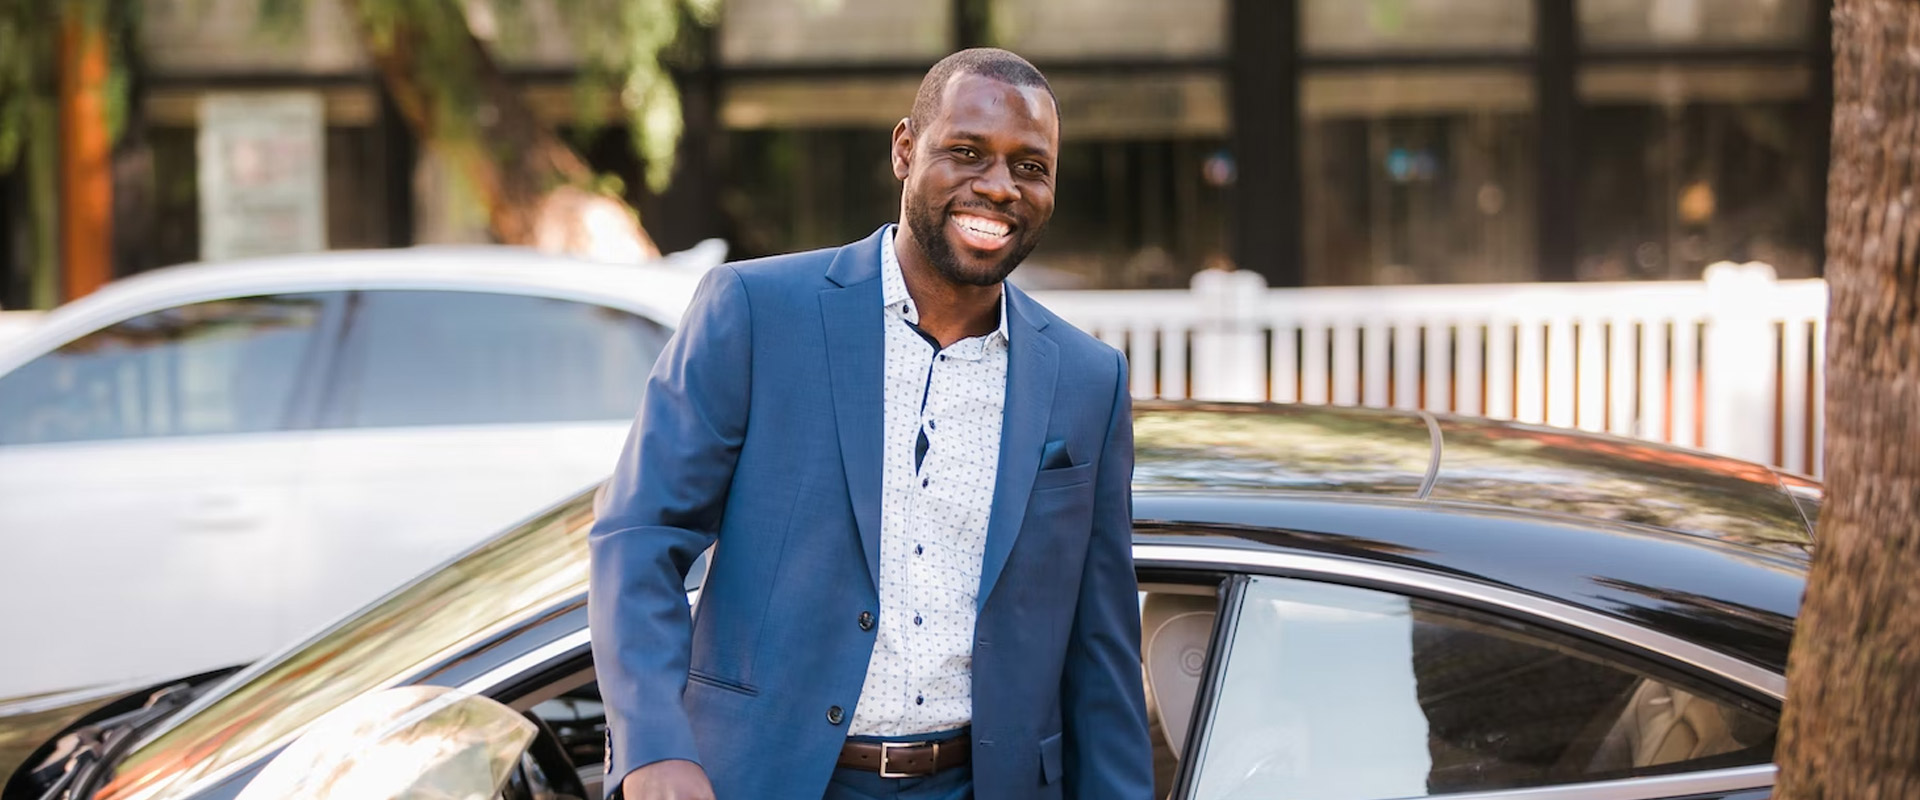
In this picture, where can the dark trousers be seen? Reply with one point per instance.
(856, 784)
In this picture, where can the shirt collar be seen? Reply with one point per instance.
(893, 288)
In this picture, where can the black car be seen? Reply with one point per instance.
(1336, 603)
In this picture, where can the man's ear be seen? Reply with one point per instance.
(902, 148)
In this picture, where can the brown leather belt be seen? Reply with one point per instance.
(907, 759)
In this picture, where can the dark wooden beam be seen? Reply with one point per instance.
(1264, 93)
(1557, 60)
(1820, 52)
(971, 24)
(401, 155)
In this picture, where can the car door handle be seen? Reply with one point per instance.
(220, 512)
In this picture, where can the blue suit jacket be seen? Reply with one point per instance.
(761, 430)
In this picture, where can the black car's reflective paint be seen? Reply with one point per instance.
(1731, 597)
(1602, 477)
(1230, 447)
(1339, 482)
(1227, 447)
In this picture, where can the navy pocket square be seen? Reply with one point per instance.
(1054, 455)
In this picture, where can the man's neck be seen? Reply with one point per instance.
(949, 311)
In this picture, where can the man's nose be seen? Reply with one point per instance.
(995, 184)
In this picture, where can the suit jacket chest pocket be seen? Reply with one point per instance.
(1061, 504)
(1050, 480)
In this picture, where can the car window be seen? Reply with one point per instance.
(226, 366)
(1176, 633)
(465, 358)
(1337, 692)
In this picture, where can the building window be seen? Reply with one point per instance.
(808, 160)
(1377, 27)
(1606, 24)
(835, 31)
(1048, 30)
(1689, 165)
(1418, 176)
(804, 188)
(1141, 198)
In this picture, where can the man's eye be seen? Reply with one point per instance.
(1033, 168)
(965, 152)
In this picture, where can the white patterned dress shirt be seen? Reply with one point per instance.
(936, 495)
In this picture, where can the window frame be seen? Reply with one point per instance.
(1697, 663)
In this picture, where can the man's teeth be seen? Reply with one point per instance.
(983, 226)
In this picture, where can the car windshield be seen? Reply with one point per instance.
(534, 566)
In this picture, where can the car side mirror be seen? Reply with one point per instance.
(413, 742)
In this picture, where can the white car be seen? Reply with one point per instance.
(200, 463)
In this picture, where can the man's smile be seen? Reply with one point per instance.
(981, 233)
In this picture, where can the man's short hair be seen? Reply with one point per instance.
(987, 62)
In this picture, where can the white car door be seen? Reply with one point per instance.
(451, 416)
(146, 473)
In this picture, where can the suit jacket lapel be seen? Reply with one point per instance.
(1032, 363)
(856, 354)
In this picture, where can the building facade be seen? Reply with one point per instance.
(1318, 142)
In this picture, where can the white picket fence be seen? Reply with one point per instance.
(1731, 364)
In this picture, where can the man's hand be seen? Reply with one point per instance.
(667, 780)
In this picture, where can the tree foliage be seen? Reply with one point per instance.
(446, 79)
(626, 48)
(29, 53)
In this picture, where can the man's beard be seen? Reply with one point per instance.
(929, 227)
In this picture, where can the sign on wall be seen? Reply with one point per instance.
(262, 173)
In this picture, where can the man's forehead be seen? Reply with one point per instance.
(971, 95)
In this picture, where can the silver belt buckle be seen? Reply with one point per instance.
(886, 751)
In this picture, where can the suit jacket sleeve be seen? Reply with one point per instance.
(1107, 754)
(654, 516)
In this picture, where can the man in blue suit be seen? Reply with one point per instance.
(915, 480)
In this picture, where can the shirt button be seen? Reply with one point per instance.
(918, 549)
(866, 620)
(922, 700)
(916, 619)
(924, 482)
(836, 715)
(931, 426)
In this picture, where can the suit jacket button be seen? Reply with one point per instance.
(836, 715)
(866, 620)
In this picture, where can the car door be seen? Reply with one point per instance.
(1345, 693)
(145, 488)
(450, 416)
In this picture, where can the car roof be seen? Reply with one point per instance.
(658, 289)
(1419, 456)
